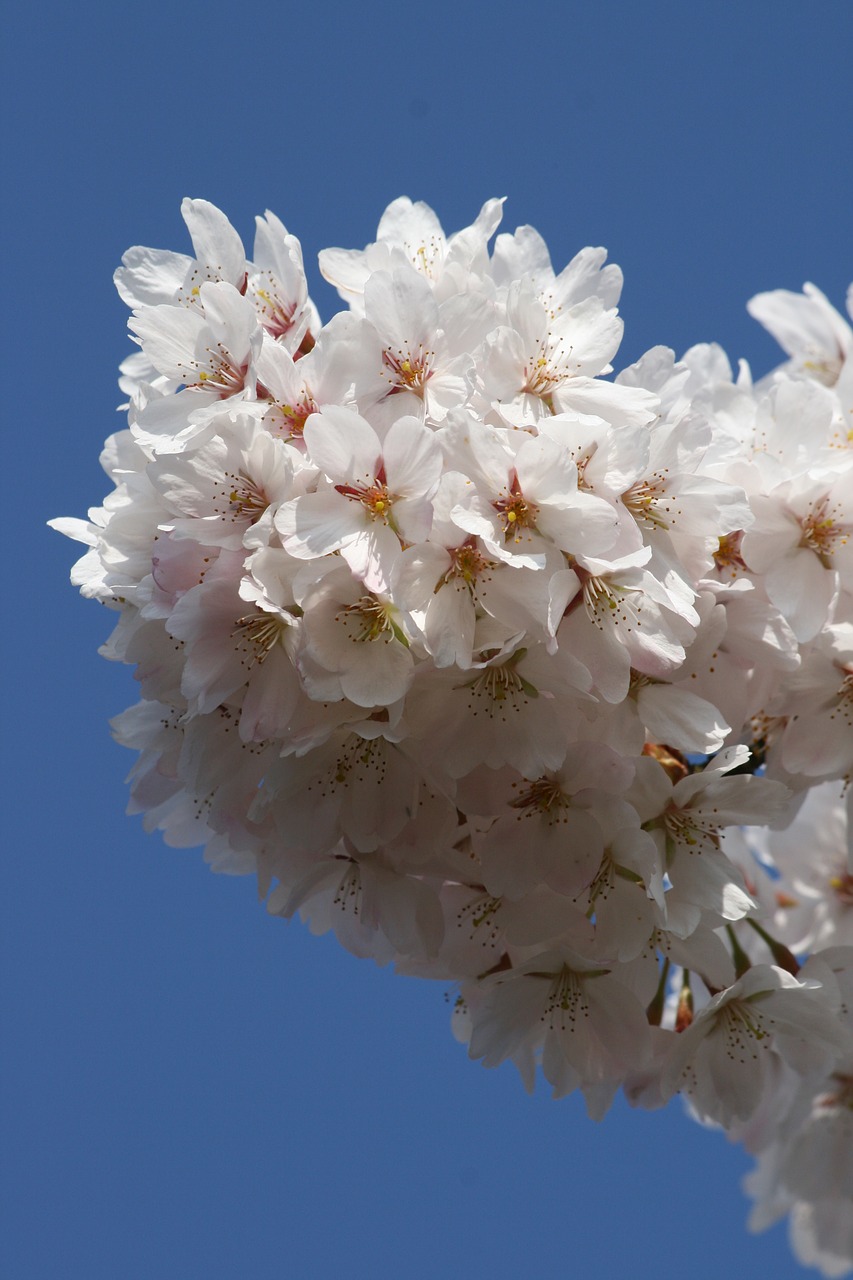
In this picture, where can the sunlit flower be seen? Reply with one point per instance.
(511, 673)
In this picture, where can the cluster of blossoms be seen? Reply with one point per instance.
(517, 675)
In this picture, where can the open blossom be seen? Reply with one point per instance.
(808, 328)
(589, 1028)
(353, 645)
(511, 672)
(377, 497)
(208, 351)
(813, 898)
(802, 543)
(818, 738)
(725, 1056)
(410, 234)
(524, 505)
(551, 829)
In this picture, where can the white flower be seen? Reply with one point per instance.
(818, 738)
(276, 284)
(378, 493)
(627, 616)
(814, 896)
(523, 505)
(150, 277)
(422, 355)
(411, 235)
(429, 616)
(726, 1056)
(808, 328)
(230, 485)
(524, 256)
(551, 829)
(343, 366)
(352, 644)
(518, 708)
(687, 820)
(229, 645)
(822, 1235)
(590, 1029)
(801, 544)
(538, 364)
(210, 350)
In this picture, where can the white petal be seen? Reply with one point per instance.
(343, 446)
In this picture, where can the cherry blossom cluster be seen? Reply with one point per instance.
(520, 675)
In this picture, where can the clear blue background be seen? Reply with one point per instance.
(190, 1088)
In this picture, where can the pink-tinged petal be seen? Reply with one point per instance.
(413, 459)
(591, 334)
(271, 699)
(654, 650)
(205, 618)
(727, 800)
(410, 223)
(418, 573)
(169, 337)
(412, 918)
(280, 253)
(503, 362)
(562, 589)
(509, 856)
(707, 882)
(570, 852)
(171, 424)
(279, 373)
(148, 277)
(345, 362)
(546, 472)
(476, 451)
(402, 307)
(478, 517)
(607, 661)
(381, 677)
(319, 523)
(188, 489)
(232, 316)
(449, 625)
(698, 506)
(466, 319)
(586, 276)
(681, 719)
(792, 419)
(524, 253)
(802, 323)
(758, 634)
(413, 519)
(739, 1081)
(349, 269)
(79, 530)
(621, 406)
(343, 446)
(802, 590)
(345, 269)
(468, 246)
(775, 533)
(821, 746)
(593, 765)
(521, 596)
(217, 245)
(586, 525)
(372, 555)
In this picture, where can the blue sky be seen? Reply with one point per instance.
(190, 1088)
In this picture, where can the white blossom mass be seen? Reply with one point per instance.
(516, 674)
